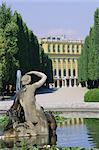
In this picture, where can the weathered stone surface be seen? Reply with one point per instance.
(27, 118)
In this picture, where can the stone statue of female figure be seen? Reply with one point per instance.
(34, 114)
(27, 117)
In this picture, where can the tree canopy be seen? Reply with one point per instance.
(19, 48)
(89, 59)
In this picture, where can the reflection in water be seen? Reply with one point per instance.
(73, 136)
(78, 132)
(33, 141)
(74, 132)
(93, 130)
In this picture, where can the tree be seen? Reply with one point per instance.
(85, 59)
(1, 58)
(5, 18)
(5, 15)
(96, 35)
(11, 63)
(89, 59)
(46, 66)
(34, 51)
(8, 47)
(19, 48)
(28, 53)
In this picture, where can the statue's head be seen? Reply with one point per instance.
(26, 79)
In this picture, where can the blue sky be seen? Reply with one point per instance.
(56, 17)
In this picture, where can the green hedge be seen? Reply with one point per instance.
(92, 95)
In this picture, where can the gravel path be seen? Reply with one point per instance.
(61, 97)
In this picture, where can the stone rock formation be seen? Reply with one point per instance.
(27, 118)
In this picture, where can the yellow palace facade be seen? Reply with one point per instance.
(64, 55)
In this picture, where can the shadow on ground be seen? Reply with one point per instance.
(44, 90)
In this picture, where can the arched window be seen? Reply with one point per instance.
(69, 72)
(72, 48)
(77, 48)
(58, 60)
(54, 60)
(59, 72)
(53, 48)
(64, 59)
(58, 48)
(68, 60)
(73, 60)
(64, 72)
(48, 48)
(74, 73)
(54, 72)
(68, 49)
(63, 48)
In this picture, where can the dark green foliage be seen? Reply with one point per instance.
(60, 119)
(83, 62)
(5, 31)
(3, 122)
(88, 66)
(19, 49)
(91, 56)
(46, 65)
(28, 54)
(96, 35)
(5, 15)
(92, 96)
(92, 127)
(34, 52)
(11, 63)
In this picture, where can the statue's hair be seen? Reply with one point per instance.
(26, 79)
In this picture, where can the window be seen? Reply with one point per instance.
(54, 60)
(73, 60)
(64, 72)
(74, 73)
(77, 48)
(53, 48)
(68, 49)
(48, 48)
(49, 38)
(69, 72)
(63, 48)
(68, 60)
(73, 49)
(58, 48)
(59, 72)
(58, 38)
(54, 72)
(64, 59)
(59, 60)
(53, 38)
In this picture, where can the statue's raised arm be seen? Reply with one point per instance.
(41, 81)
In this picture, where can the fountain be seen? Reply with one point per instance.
(26, 117)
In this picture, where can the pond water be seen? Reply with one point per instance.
(74, 132)
(79, 133)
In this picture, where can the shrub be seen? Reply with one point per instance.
(3, 121)
(59, 119)
(92, 96)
